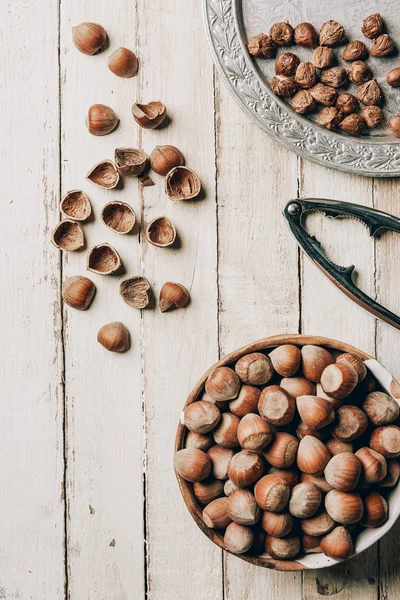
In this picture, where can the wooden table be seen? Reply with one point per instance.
(90, 508)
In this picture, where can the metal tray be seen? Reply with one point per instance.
(230, 23)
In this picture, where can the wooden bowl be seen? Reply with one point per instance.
(367, 537)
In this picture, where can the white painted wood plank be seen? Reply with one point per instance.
(104, 405)
(258, 276)
(31, 494)
(328, 312)
(178, 346)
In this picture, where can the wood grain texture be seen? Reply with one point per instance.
(31, 417)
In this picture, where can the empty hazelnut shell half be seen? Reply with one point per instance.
(118, 216)
(123, 62)
(135, 291)
(104, 175)
(161, 232)
(149, 116)
(101, 119)
(114, 337)
(78, 292)
(68, 236)
(130, 161)
(103, 259)
(182, 183)
(76, 205)
(165, 158)
(173, 295)
(89, 37)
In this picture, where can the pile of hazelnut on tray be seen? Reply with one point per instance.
(291, 452)
(317, 82)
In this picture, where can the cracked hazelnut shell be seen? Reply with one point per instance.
(123, 63)
(103, 259)
(130, 161)
(161, 232)
(78, 292)
(114, 337)
(118, 216)
(76, 205)
(149, 116)
(135, 291)
(68, 236)
(182, 183)
(104, 174)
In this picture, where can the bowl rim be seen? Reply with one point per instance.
(391, 385)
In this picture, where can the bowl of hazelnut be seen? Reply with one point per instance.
(287, 452)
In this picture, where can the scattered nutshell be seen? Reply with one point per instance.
(359, 72)
(394, 124)
(89, 37)
(322, 57)
(145, 180)
(101, 119)
(323, 94)
(165, 158)
(123, 62)
(76, 205)
(370, 93)
(393, 77)
(355, 50)
(336, 77)
(161, 232)
(115, 337)
(78, 292)
(261, 46)
(372, 115)
(182, 183)
(68, 236)
(329, 117)
(149, 116)
(118, 216)
(103, 259)
(305, 35)
(173, 295)
(372, 26)
(283, 86)
(286, 64)
(306, 75)
(135, 291)
(353, 124)
(104, 175)
(331, 34)
(281, 34)
(346, 103)
(382, 46)
(130, 161)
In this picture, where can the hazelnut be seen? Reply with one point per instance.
(298, 386)
(351, 422)
(291, 476)
(220, 459)
(314, 361)
(245, 468)
(277, 524)
(337, 447)
(276, 405)
(229, 487)
(329, 117)
(272, 493)
(78, 292)
(322, 57)
(226, 433)
(246, 401)
(215, 515)
(281, 33)
(282, 451)
(223, 384)
(164, 158)
(382, 46)
(306, 75)
(310, 543)
(347, 104)
(254, 368)
(315, 412)
(305, 500)
(305, 35)
(282, 548)
(254, 433)
(283, 86)
(380, 408)
(192, 464)
(207, 491)
(312, 455)
(261, 46)
(286, 358)
(173, 295)
(114, 337)
(89, 37)
(337, 544)
(286, 64)
(317, 525)
(359, 72)
(343, 471)
(302, 430)
(369, 93)
(346, 357)
(238, 538)
(319, 481)
(242, 508)
(372, 26)
(201, 416)
(149, 116)
(355, 50)
(339, 380)
(101, 119)
(336, 77)
(394, 124)
(374, 467)
(393, 474)
(331, 34)
(123, 63)
(393, 77)
(352, 124)
(386, 441)
(375, 510)
(202, 441)
(344, 507)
